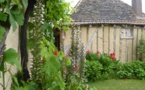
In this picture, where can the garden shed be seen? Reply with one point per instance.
(109, 26)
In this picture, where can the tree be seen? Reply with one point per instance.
(19, 12)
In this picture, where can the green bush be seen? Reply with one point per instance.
(93, 70)
(103, 66)
(133, 69)
(108, 64)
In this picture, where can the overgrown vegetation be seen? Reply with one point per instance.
(50, 69)
(103, 66)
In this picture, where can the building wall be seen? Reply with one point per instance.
(11, 42)
(108, 39)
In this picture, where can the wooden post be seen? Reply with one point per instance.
(97, 39)
(103, 41)
(136, 44)
(120, 50)
(108, 39)
(132, 42)
(114, 43)
(87, 37)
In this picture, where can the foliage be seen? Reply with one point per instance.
(11, 11)
(134, 69)
(108, 64)
(93, 70)
(10, 14)
(10, 56)
(49, 65)
(58, 17)
(2, 32)
(141, 49)
(103, 66)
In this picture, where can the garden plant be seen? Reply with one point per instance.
(50, 69)
(102, 66)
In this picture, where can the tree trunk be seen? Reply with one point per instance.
(23, 40)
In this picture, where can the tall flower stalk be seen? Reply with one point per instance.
(77, 53)
(38, 21)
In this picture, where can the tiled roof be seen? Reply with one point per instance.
(105, 11)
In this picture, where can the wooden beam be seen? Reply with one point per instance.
(126, 50)
(136, 44)
(80, 32)
(108, 39)
(114, 42)
(103, 39)
(120, 50)
(132, 42)
(87, 32)
(97, 39)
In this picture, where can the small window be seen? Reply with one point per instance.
(126, 33)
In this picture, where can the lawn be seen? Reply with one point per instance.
(125, 84)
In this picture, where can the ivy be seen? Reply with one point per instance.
(1, 1)
(2, 31)
(11, 57)
(3, 16)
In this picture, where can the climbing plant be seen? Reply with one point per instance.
(10, 16)
(49, 66)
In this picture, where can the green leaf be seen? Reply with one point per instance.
(31, 43)
(15, 9)
(51, 66)
(11, 57)
(1, 1)
(15, 17)
(25, 3)
(3, 16)
(68, 62)
(19, 19)
(12, 21)
(2, 31)
(30, 26)
(47, 26)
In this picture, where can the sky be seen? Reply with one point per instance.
(73, 2)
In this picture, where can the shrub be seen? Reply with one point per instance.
(133, 69)
(103, 66)
(93, 70)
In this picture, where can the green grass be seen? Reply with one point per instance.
(121, 84)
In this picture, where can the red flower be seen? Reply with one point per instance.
(113, 58)
(88, 52)
(76, 68)
(56, 53)
(112, 55)
(98, 52)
